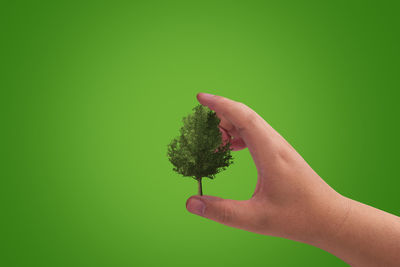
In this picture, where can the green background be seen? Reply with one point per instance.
(92, 93)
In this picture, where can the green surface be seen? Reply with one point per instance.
(91, 94)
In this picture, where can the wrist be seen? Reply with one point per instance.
(329, 219)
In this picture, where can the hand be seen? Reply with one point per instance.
(290, 200)
(288, 195)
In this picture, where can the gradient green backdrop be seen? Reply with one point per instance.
(92, 93)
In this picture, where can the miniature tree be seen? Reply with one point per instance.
(199, 151)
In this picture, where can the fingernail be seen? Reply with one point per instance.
(196, 206)
(206, 96)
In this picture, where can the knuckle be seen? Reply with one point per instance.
(249, 119)
(225, 215)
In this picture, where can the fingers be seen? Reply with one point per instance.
(238, 144)
(236, 113)
(230, 212)
(225, 135)
(254, 131)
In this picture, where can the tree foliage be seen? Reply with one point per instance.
(199, 151)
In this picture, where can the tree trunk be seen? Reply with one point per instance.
(200, 186)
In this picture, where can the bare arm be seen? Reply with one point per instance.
(366, 237)
(291, 201)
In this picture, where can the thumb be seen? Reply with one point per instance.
(230, 212)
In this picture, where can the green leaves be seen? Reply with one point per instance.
(198, 151)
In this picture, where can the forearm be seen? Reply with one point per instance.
(361, 235)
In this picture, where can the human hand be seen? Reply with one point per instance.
(290, 200)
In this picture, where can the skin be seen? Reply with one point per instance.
(291, 200)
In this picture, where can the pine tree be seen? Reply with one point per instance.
(199, 151)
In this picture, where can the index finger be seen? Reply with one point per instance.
(258, 135)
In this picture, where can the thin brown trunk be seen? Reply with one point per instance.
(200, 186)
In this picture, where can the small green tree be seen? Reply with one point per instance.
(199, 152)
